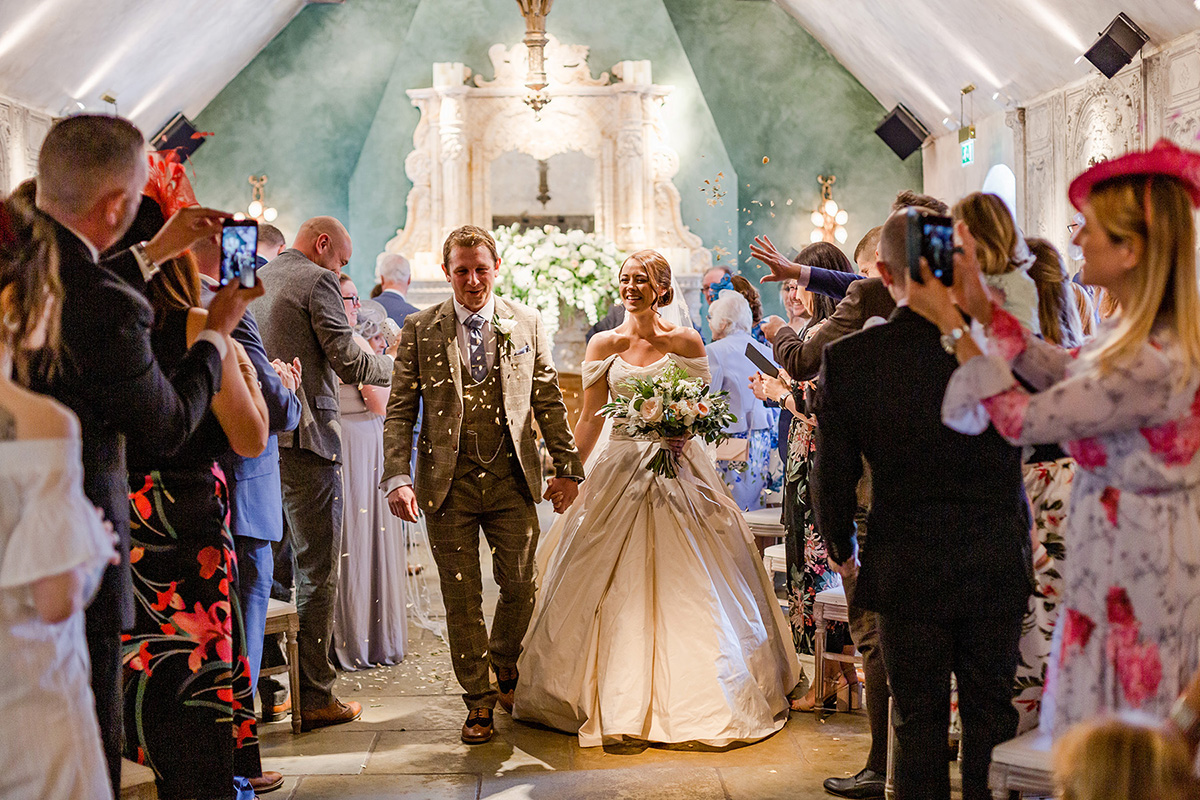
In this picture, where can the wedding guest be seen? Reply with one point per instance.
(370, 626)
(946, 564)
(189, 704)
(91, 173)
(746, 289)
(270, 244)
(714, 280)
(808, 571)
(729, 321)
(302, 316)
(53, 544)
(1004, 257)
(394, 274)
(1122, 759)
(1125, 405)
(797, 304)
(1048, 472)
(255, 499)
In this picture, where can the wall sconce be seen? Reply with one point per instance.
(258, 208)
(829, 221)
(535, 12)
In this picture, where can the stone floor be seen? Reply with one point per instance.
(406, 745)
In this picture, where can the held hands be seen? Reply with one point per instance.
(185, 227)
(229, 304)
(402, 502)
(561, 492)
(781, 268)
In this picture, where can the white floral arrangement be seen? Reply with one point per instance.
(545, 267)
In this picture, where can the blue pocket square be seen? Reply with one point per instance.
(522, 351)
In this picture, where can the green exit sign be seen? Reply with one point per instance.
(968, 151)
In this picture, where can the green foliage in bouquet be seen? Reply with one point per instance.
(671, 405)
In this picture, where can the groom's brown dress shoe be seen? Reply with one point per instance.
(335, 713)
(506, 682)
(478, 727)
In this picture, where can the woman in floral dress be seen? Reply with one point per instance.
(189, 710)
(1127, 408)
(808, 571)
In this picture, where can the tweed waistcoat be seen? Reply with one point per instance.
(484, 441)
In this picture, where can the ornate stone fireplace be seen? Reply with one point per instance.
(616, 123)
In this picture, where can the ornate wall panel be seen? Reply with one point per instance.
(22, 130)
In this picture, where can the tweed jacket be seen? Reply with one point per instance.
(429, 369)
(302, 315)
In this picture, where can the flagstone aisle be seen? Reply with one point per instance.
(406, 745)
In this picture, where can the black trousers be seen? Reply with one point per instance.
(920, 654)
(104, 649)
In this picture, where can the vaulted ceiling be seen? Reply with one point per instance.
(159, 56)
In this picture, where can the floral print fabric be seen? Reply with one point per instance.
(189, 710)
(1129, 636)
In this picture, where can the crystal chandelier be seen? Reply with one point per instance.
(535, 12)
(829, 221)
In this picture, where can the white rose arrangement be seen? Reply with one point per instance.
(545, 267)
(671, 405)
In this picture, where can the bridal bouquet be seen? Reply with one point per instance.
(671, 405)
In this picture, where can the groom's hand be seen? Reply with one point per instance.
(403, 503)
(561, 492)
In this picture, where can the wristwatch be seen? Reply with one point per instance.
(950, 340)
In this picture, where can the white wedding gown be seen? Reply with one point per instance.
(655, 619)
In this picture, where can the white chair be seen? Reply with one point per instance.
(766, 527)
(1022, 765)
(137, 781)
(829, 606)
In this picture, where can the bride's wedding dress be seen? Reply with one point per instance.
(655, 619)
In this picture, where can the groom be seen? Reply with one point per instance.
(481, 366)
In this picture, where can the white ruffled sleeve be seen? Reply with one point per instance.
(595, 371)
(58, 528)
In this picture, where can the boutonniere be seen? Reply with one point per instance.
(504, 327)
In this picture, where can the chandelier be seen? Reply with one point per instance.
(535, 12)
(258, 207)
(828, 220)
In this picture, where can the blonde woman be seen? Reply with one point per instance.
(1126, 408)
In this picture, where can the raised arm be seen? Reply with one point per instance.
(283, 406)
(239, 405)
(348, 360)
(829, 282)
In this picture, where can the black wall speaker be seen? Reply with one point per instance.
(902, 132)
(179, 135)
(1117, 46)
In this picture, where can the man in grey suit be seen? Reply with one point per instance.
(479, 368)
(394, 274)
(302, 316)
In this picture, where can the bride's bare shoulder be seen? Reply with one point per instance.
(605, 344)
(685, 342)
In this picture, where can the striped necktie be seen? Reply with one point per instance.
(478, 359)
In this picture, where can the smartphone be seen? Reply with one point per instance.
(931, 236)
(239, 245)
(761, 361)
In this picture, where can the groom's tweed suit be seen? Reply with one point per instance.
(461, 488)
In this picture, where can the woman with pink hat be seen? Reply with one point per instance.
(1126, 407)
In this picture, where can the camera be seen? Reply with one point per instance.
(931, 236)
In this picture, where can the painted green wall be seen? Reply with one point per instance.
(323, 111)
(776, 92)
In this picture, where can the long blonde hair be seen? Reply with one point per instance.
(995, 232)
(1114, 759)
(1154, 212)
(1057, 309)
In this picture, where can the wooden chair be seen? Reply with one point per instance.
(1022, 765)
(829, 606)
(137, 781)
(283, 618)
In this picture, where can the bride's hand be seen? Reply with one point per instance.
(676, 444)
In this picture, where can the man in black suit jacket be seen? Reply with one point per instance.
(91, 171)
(947, 565)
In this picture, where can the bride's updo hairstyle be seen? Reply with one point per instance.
(658, 271)
(29, 276)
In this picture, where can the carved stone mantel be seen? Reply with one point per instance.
(618, 123)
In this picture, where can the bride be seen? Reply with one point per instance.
(655, 619)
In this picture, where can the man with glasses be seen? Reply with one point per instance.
(303, 315)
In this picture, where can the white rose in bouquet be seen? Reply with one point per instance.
(651, 410)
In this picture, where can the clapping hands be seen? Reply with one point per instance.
(289, 374)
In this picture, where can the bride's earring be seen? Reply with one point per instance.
(12, 323)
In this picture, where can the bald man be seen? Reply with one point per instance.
(302, 316)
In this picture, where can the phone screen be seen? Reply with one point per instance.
(239, 245)
(932, 237)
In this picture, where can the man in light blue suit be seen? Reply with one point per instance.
(255, 495)
(394, 275)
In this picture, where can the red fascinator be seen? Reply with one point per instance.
(1165, 158)
(168, 184)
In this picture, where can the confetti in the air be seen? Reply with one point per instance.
(765, 159)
